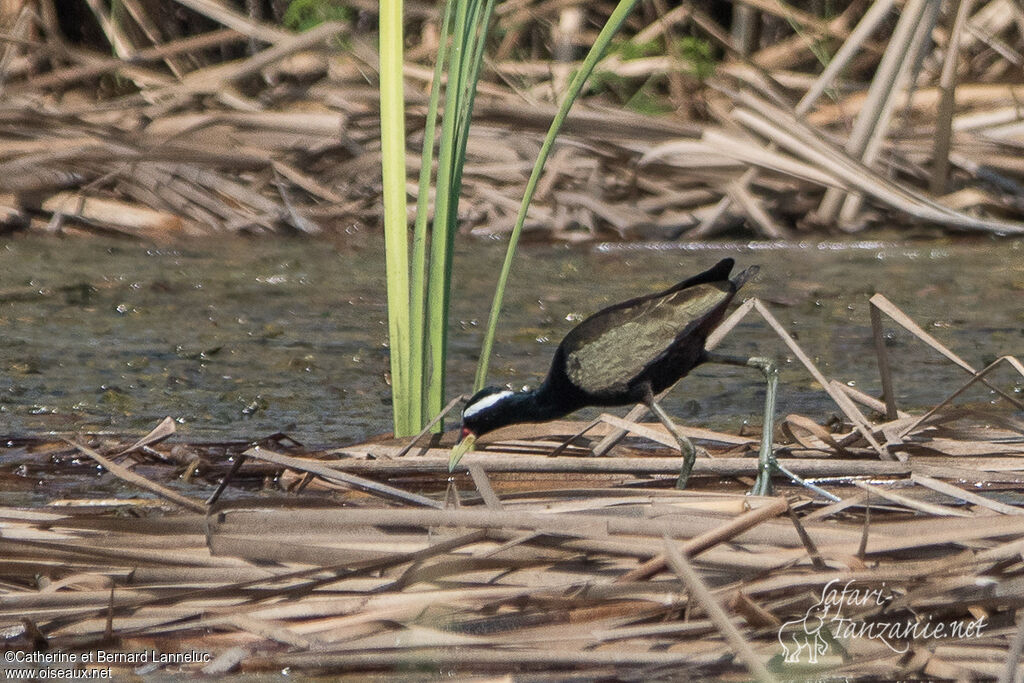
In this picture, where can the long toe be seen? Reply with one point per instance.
(763, 484)
(689, 453)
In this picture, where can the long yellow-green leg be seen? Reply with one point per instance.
(766, 464)
(766, 456)
(686, 447)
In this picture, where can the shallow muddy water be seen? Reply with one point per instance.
(240, 339)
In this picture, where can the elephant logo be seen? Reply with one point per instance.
(804, 634)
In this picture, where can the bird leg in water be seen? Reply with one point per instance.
(686, 447)
(766, 457)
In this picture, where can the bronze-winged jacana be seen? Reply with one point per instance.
(629, 353)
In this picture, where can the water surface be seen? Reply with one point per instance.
(243, 338)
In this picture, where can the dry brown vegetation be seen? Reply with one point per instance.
(371, 559)
(243, 126)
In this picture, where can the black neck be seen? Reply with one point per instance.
(548, 403)
(533, 405)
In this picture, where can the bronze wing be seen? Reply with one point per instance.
(609, 349)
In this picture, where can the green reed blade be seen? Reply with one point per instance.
(396, 246)
(419, 241)
(445, 215)
(597, 50)
(472, 76)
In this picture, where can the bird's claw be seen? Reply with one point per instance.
(763, 484)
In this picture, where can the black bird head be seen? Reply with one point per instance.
(485, 411)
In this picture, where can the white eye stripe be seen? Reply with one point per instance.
(485, 402)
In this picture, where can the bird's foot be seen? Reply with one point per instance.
(765, 468)
(689, 453)
(686, 447)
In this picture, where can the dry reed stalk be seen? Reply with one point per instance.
(494, 459)
(359, 483)
(708, 539)
(177, 78)
(140, 481)
(703, 597)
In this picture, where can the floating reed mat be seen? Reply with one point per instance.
(372, 559)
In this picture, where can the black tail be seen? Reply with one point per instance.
(716, 273)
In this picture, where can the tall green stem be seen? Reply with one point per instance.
(445, 216)
(419, 242)
(471, 74)
(396, 246)
(597, 50)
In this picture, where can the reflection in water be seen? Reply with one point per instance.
(240, 339)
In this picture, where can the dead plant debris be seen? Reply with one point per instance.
(371, 558)
(888, 115)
